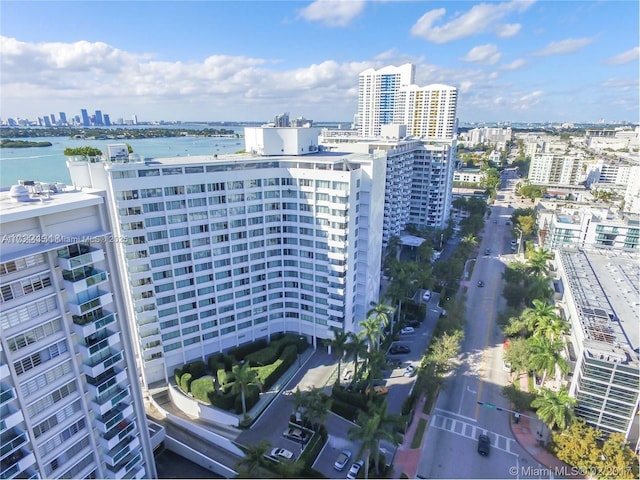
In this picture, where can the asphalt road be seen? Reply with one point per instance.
(458, 420)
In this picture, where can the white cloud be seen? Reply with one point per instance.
(483, 54)
(333, 13)
(481, 18)
(508, 29)
(625, 57)
(514, 65)
(569, 45)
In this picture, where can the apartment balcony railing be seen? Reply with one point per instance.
(105, 402)
(120, 451)
(120, 470)
(114, 417)
(103, 360)
(107, 379)
(75, 256)
(81, 279)
(102, 299)
(7, 394)
(10, 417)
(90, 323)
(11, 440)
(114, 436)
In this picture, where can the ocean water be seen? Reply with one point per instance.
(48, 164)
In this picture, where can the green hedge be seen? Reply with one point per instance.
(224, 402)
(344, 409)
(197, 369)
(356, 399)
(251, 397)
(263, 357)
(185, 382)
(243, 350)
(202, 388)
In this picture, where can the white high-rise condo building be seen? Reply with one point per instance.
(428, 112)
(378, 95)
(229, 249)
(70, 400)
(555, 169)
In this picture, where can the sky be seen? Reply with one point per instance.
(517, 61)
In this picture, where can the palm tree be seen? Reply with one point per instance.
(545, 356)
(383, 313)
(538, 288)
(244, 377)
(470, 240)
(555, 409)
(254, 460)
(370, 430)
(388, 424)
(375, 361)
(339, 345)
(551, 327)
(356, 349)
(538, 261)
(313, 404)
(538, 314)
(371, 332)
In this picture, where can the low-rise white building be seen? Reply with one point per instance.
(281, 140)
(556, 169)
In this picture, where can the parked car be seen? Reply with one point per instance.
(342, 460)
(296, 434)
(514, 243)
(348, 375)
(281, 453)
(480, 283)
(410, 371)
(484, 445)
(426, 296)
(407, 330)
(399, 350)
(355, 469)
(487, 252)
(378, 390)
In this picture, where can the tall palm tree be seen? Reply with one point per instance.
(339, 345)
(383, 313)
(316, 405)
(356, 349)
(244, 377)
(470, 240)
(371, 332)
(254, 460)
(375, 361)
(551, 327)
(538, 288)
(545, 356)
(555, 409)
(388, 424)
(538, 314)
(370, 429)
(538, 262)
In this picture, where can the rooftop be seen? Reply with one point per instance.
(605, 286)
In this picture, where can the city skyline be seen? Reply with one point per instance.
(510, 61)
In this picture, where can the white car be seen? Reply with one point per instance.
(426, 296)
(281, 453)
(407, 330)
(410, 371)
(355, 469)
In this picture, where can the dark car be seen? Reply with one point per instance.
(480, 283)
(399, 349)
(484, 445)
(413, 323)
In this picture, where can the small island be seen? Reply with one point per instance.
(9, 143)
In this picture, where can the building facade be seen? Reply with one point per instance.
(227, 250)
(587, 227)
(600, 301)
(428, 112)
(378, 97)
(555, 169)
(71, 402)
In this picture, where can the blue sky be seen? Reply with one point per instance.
(519, 61)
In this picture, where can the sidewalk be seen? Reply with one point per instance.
(407, 459)
(529, 437)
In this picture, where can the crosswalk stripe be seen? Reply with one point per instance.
(468, 430)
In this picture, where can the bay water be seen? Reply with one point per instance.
(48, 164)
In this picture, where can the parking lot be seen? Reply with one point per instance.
(320, 370)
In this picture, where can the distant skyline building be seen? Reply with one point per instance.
(86, 122)
(99, 121)
(63, 118)
(72, 406)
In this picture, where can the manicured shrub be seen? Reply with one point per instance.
(243, 350)
(344, 409)
(202, 388)
(224, 402)
(262, 357)
(185, 382)
(197, 369)
(177, 373)
(356, 399)
(251, 397)
(213, 361)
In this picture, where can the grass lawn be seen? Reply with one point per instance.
(417, 437)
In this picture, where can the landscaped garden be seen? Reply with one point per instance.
(233, 380)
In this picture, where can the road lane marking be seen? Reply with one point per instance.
(484, 350)
(467, 430)
(447, 413)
